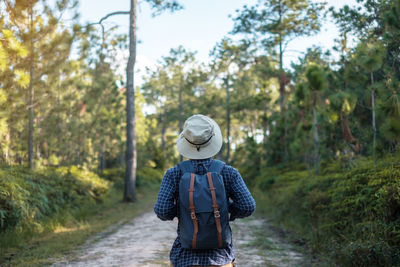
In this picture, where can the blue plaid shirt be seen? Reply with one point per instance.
(242, 205)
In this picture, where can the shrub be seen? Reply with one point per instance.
(145, 176)
(27, 197)
(353, 215)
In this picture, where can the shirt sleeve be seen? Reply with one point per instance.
(165, 206)
(242, 203)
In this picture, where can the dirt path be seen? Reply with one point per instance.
(146, 241)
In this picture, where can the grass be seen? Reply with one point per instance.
(349, 215)
(59, 236)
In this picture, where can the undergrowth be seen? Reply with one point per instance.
(351, 214)
(27, 197)
(46, 213)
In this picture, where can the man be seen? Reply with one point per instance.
(200, 140)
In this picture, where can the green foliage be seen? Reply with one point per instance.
(115, 175)
(79, 105)
(158, 6)
(248, 160)
(148, 177)
(280, 21)
(68, 229)
(351, 214)
(145, 176)
(315, 77)
(343, 102)
(370, 55)
(27, 197)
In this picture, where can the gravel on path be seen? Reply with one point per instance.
(146, 241)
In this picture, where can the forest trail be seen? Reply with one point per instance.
(146, 241)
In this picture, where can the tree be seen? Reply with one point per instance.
(131, 157)
(12, 51)
(178, 77)
(229, 58)
(316, 83)
(156, 90)
(48, 44)
(274, 24)
(277, 23)
(377, 23)
(370, 57)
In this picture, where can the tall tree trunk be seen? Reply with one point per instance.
(163, 132)
(38, 153)
(373, 117)
(316, 140)
(31, 94)
(282, 83)
(281, 79)
(346, 132)
(122, 155)
(163, 128)
(130, 172)
(59, 127)
(8, 150)
(265, 132)
(102, 159)
(228, 120)
(180, 115)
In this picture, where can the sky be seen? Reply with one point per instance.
(198, 27)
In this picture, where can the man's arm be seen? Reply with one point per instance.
(243, 203)
(165, 206)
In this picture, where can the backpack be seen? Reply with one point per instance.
(203, 216)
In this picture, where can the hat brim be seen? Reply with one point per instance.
(189, 151)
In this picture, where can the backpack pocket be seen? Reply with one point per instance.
(207, 235)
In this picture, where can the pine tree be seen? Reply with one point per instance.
(48, 44)
(12, 80)
(316, 82)
(274, 24)
(131, 154)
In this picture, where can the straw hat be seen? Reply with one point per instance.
(201, 138)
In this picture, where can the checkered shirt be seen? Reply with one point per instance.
(166, 208)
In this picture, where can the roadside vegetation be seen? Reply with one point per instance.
(46, 214)
(349, 214)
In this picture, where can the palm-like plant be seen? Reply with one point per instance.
(316, 81)
(370, 57)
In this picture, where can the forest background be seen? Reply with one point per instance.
(317, 141)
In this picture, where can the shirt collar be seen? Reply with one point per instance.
(196, 162)
(199, 165)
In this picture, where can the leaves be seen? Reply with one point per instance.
(158, 6)
(27, 197)
(351, 214)
(315, 77)
(280, 21)
(370, 55)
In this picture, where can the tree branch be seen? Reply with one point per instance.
(109, 15)
(100, 22)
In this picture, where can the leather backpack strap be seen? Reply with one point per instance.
(215, 207)
(192, 211)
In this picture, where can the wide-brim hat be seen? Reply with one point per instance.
(201, 138)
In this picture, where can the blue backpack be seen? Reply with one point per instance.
(203, 216)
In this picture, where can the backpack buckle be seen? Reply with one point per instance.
(193, 215)
(216, 214)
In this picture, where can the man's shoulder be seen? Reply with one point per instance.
(231, 176)
(228, 169)
(173, 171)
